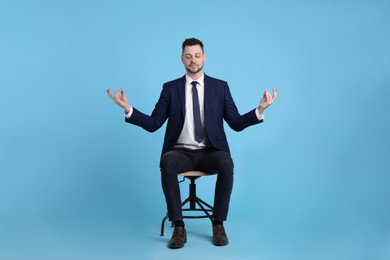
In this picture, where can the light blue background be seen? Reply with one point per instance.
(312, 182)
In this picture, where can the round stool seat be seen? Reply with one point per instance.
(195, 174)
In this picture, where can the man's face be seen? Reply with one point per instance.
(193, 58)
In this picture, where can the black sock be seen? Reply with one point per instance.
(217, 222)
(179, 223)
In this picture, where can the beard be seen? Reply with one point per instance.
(194, 71)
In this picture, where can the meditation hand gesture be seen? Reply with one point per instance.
(120, 99)
(267, 100)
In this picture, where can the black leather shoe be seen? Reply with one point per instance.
(179, 237)
(219, 236)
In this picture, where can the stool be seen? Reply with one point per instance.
(192, 199)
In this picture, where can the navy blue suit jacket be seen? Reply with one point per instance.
(218, 106)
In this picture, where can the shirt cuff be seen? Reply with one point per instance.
(259, 116)
(128, 115)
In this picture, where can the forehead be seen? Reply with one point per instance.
(192, 49)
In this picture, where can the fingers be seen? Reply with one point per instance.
(109, 92)
(267, 96)
(119, 98)
(270, 97)
(275, 90)
(117, 95)
(267, 99)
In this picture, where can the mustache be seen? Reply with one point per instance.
(195, 70)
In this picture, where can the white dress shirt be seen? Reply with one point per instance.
(187, 136)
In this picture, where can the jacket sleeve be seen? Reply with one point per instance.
(233, 118)
(156, 119)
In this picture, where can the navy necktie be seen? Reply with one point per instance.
(197, 122)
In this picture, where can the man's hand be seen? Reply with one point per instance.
(120, 99)
(267, 100)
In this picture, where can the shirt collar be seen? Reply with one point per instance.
(200, 79)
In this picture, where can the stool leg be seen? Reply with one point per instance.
(205, 203)
(200, 202)
(192, 194)
(162, 225)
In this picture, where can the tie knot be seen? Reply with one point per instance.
(194, 83)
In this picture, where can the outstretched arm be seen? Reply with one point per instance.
(267, 100)
(120, 99)
(133, 116)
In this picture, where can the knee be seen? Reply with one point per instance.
(168, 162)
(225, 164)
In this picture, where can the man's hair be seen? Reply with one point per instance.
(192, 42)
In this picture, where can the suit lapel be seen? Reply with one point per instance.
(182, 93)
(207, 96)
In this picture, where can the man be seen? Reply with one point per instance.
(195, 106)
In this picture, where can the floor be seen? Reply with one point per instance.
(262, 239)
